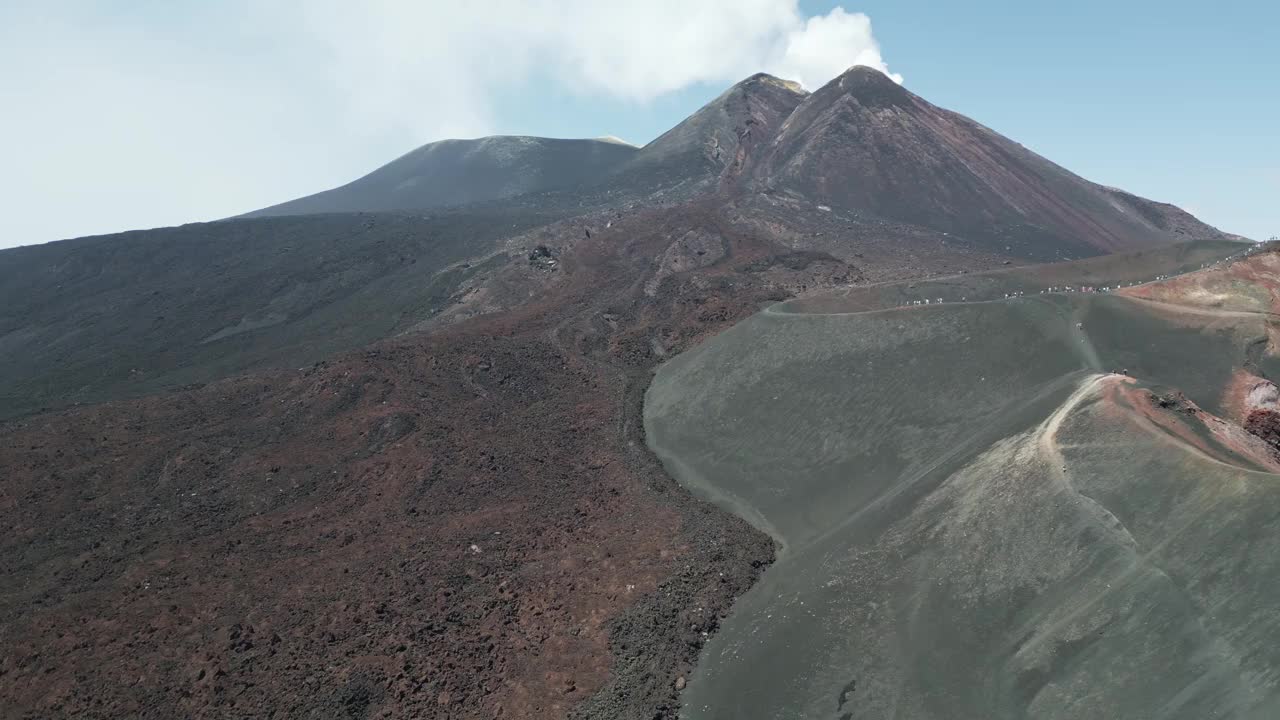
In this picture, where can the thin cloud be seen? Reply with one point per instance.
(125, 118)
(413, 65)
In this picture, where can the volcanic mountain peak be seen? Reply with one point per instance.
(711, 138)
(614, 139)
(765, 79)
(458, 172)
(864, 143)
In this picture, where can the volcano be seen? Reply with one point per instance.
(381, 451)
(865, 143)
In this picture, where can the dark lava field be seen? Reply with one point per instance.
(820, 405)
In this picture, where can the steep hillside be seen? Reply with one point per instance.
(461, 172)
(865, 143)
(861, 144)
(119, 315)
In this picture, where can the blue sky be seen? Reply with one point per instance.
(163, 113)
(1173, 100)
(1176, 101)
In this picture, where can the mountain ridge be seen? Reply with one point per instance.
(866, 143)
(462, 172)
(862, 142)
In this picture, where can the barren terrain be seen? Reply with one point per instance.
(392, 465)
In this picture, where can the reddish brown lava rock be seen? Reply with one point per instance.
(1266, 425)
(458, 524)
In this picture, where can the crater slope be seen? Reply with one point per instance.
(864, 143)
(1043, 506)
